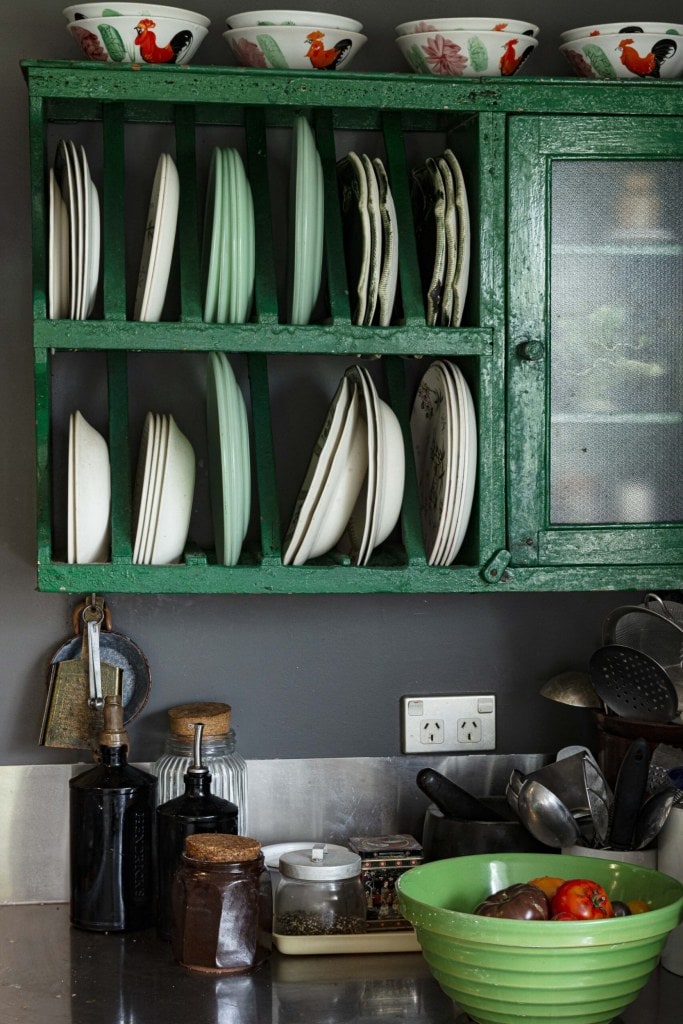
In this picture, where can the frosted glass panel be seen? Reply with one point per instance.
(616, 342)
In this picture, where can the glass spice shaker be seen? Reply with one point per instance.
(320, 892)
(228, 768)
(221, 905)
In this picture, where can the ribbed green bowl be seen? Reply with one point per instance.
(532, 972)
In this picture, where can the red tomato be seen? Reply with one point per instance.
(582, 899)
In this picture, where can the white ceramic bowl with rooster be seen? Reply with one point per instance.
(313, 19)
(78, 12)
(641, 55)
(126, 39)
(466, 54)
(290, 47)
(622, 28)
(467, 25)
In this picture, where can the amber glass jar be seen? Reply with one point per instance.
(221, 905)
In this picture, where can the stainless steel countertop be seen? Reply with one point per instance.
(52, 972)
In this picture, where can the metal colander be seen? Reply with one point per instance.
(656, 628)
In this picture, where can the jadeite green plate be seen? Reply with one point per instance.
(462, 270)
(306, 224)
(212, 236)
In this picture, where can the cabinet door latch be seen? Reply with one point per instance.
(493, 571)
(531, 350)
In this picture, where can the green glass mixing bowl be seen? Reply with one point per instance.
(509, 972)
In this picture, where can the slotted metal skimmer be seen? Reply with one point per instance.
(655, 628)
(632, 684)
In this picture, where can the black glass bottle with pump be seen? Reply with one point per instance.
(196, 810)
(112, 836)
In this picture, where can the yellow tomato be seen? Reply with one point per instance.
(637, 906)
(547, 884)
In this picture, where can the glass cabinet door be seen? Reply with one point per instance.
(595, 425)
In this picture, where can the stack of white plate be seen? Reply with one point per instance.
(73, 235)
(89, 493)
(306, 224)
(442, 224)
(352, 492)
(370, 238)
(164, 488)
(444, 431)
(229, 460)
(157, 249)
(228, 253)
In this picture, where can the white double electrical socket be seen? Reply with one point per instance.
(448, 724)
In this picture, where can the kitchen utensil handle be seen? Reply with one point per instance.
(452, 801)
(628, 794)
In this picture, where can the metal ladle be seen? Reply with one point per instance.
(652, 817)
(547, 818)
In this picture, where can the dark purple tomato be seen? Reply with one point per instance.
(520, 902)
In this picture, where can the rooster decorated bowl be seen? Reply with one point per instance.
(138, 40)
(290, 47)
(620, 56)
(252, 19)
(466, 54)
(114, 8)
(525, 28)
(663, 28)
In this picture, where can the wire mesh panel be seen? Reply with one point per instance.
(616, 423)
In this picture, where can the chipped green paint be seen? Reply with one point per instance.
(488, 123)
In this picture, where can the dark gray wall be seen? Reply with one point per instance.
(307, 677)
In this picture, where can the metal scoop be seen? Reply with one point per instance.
(545, 816)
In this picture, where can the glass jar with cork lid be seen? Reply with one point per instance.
(228, 769)
(221, 905)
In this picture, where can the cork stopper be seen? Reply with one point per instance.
(221, 849)
(215, 717)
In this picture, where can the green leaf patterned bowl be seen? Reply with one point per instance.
(531, 972)
(618, 56)
(113, 8)
(138, 39)
(466, 54)
(294, 47)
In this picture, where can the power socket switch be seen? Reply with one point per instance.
(448, 724)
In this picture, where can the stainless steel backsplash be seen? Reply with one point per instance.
(327, 799)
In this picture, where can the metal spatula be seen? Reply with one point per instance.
(632, 684)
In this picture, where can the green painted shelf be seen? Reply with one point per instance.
(404, 113)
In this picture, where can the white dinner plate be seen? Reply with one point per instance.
(375, 219)
(429, 203)
(143, 484)
(451, 236)
(357, 237)
(58, 252)
(159, 241)
(389, 274)
(447, 516)
(462, 273)
(468, 460)
(66, 179)
(317, 470)
(429, 424)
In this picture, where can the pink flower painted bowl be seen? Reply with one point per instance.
(466, 54)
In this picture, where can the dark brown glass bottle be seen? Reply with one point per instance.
(112, 836)
(197, 810)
